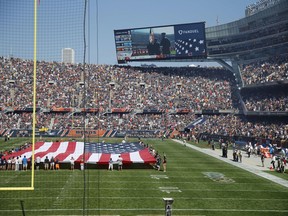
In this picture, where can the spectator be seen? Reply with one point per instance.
(46, 163)
(110, 167)
(72, 163)
(120, 163)
(24, 163)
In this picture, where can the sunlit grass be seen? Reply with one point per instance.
(141, 191)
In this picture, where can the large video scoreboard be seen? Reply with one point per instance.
(184, 41)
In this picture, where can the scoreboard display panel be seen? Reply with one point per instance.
(183, 41)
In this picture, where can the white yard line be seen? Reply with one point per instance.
(151, 209)
(134, 198)
(61, 196)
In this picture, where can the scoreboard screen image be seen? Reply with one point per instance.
(183, 41)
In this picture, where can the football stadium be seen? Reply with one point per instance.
(142, 137)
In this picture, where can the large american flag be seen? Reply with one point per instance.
(99, 153)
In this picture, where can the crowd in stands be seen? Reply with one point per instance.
(226, 125)
(269, 71)
(59, 85)
(274, 69)
(120, 122)
(266, 101)
(231, 125)
(160, 88)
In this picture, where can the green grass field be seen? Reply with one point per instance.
(199, 185)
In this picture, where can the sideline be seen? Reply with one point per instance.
(252, 164)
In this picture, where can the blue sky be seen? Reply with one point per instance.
(17, 38)
(115, 14)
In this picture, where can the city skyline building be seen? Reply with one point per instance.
(68, 55)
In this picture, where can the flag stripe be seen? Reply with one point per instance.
(50, 147)
(126, 158)
(70, 149)
(135, 156)
(76, 153)
(62, 149)
(104, 158)
(114, 157)
(93, 157)
(27, 151)
(147, 155)
(85, 157)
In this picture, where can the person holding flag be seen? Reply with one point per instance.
(72, 161)
(120, 163)
(110, 167)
